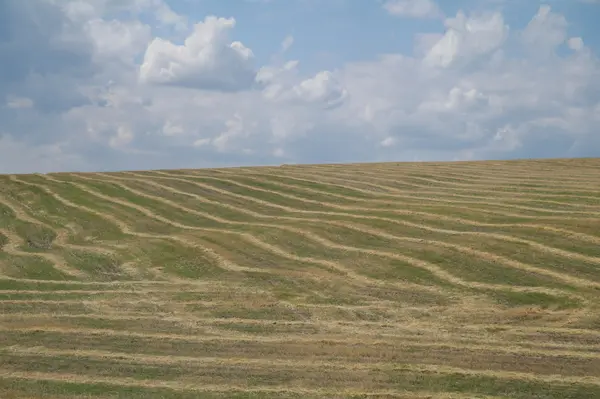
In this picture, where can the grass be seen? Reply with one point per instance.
(473, 279)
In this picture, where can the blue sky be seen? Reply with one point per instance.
(139, 84)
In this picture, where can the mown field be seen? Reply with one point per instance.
(409, 280)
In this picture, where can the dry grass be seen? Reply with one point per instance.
(435, 280)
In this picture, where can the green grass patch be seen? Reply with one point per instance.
(373, 266)
(31, 267)
(245, 253)
(193, 203)
(538, 299)
(483, 385)
(527, 254)
(101, 267)
(35, 237)
(155, 206)
(271, 311)
(15, 386)
(177, 259)
(44, 307)
(556, 240)
(3, 240)
(210, 194)
(267, 178)
(285, 288)
(270, 329)
(135, 219)
(454, 261)
(49, 210)
(271, 197)
(9, 284)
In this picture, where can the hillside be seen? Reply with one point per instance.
(412, 280)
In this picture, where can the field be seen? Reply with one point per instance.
(395, 280)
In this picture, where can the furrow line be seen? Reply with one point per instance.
(483, 255)
(303, 177)
(442, 170)
(511, 178)
(542, 247)
(61, 236)
(504, 172)
(246, 236)
(400, 193)
(336, 206)
(411, 326)
(571, 234)
(510, 238)
(436, 172)
(225, 264)
(60, 241)
(125, 290)
(183, 386)
(447, 185)
(134, 283)
(335, 332)
(163, 360)
(14, 241)
(154, 301)
(404, 195)
(411, 342)
(435, 176)
(417, 262)
(462, 171)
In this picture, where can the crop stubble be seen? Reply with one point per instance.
(389, 280)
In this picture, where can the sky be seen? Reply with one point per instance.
(101, 85)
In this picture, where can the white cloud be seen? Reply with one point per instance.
(545, 31)
(117, 39)
(22, 157)
(279, 153)
(123, 136)
(84, 10)
(413, 8)
(388, 141)
(206, 60)
(323, 88)
(201, 142)
(234, 129)
(287, 43)
(575, 43)
(172, 129)
(467, 38)
(466, 93)
(19, 102)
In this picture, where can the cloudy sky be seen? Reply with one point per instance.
(140, 84)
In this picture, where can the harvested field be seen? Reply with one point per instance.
(395, 280)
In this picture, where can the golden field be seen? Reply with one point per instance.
(391, 280)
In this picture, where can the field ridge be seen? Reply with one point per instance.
(408, 280)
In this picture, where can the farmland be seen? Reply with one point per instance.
(408, 280)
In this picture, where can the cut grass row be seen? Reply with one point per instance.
(166, 210)
(389, 296)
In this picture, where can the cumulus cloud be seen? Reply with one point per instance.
(206, 60)
(467, 38)
(116, 39)
(323, 88)
(84, 10)
(105, 84)
(546, 31)
(287, 43)
(413, 8)
(575, 43)
(19, 102)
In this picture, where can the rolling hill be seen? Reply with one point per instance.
(409, 280)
